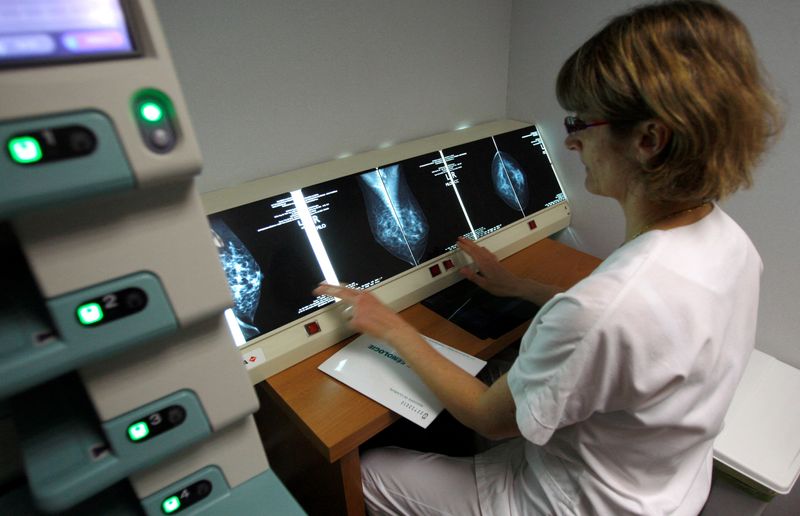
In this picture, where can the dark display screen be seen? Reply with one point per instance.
(369, 226)
(269, 263)
(490, 201)
(524, 156)
(350, 219)
(45, 31)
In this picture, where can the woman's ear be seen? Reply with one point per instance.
(651, 137)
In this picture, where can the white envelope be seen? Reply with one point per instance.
(374, 369)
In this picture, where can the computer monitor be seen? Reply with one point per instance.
(389, 227)
(34, 32)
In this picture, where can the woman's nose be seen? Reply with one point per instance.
(572, 142)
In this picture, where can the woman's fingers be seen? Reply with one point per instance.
(365, 313)
(345, 293)
(474, 251)
(473, 276)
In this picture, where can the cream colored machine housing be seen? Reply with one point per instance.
(126, 232)
(200, 358)
(290, 344)
(108, 86)
(231, 450)
(161, 230)
(158, 226)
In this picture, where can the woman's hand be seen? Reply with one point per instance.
(369, 315)
(487, 272)
(490, 411)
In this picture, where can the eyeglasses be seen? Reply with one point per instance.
(574, 124)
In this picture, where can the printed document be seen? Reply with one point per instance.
(374, 369)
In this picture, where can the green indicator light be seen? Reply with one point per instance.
(151, 112)
(170, 505)
(25, 149)
(138, 431)
(90, 313)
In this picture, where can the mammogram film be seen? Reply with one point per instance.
(372, 225)
(510, 182)
(395, 217)
(360, 228)
(528, 172)
(243, 274)
(488, 200)
(270, 267)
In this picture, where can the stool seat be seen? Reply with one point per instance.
(760, 442)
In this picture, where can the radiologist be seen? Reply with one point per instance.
(622, 382)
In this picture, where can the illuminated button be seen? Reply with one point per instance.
(138, 431)
(151, 112)
(448, 264)
(171, 504)
(435, 270)
(89, 314)
(25, 150)
(312, 328)
(155, 116)
(532, 224)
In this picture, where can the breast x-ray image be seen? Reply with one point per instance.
(269, 263)
(372, 225)
(395, 217)
(510, 182)
(368, 227)
(243, 274)
(528, 172)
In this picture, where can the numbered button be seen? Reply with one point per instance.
(156, 423)
(111, 306)
(186, 497)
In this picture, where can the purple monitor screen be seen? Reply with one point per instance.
(47, 31)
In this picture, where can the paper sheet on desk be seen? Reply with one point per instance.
(374, 369)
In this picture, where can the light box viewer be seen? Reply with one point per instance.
(386, 220)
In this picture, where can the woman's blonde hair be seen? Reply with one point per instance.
(692, 65)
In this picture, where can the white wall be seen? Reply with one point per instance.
(274, 85)
(277, 85)
(545, 32)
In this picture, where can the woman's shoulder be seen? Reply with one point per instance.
(699, 252)
(683, 268)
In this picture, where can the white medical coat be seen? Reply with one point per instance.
(623, 381)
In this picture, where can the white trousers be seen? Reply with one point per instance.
(397, 481)
(404, 482)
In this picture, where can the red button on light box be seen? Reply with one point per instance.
(448, 264)
(312, 328)
(435, 270)
(532, 224)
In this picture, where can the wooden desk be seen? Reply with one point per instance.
(312, 425)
